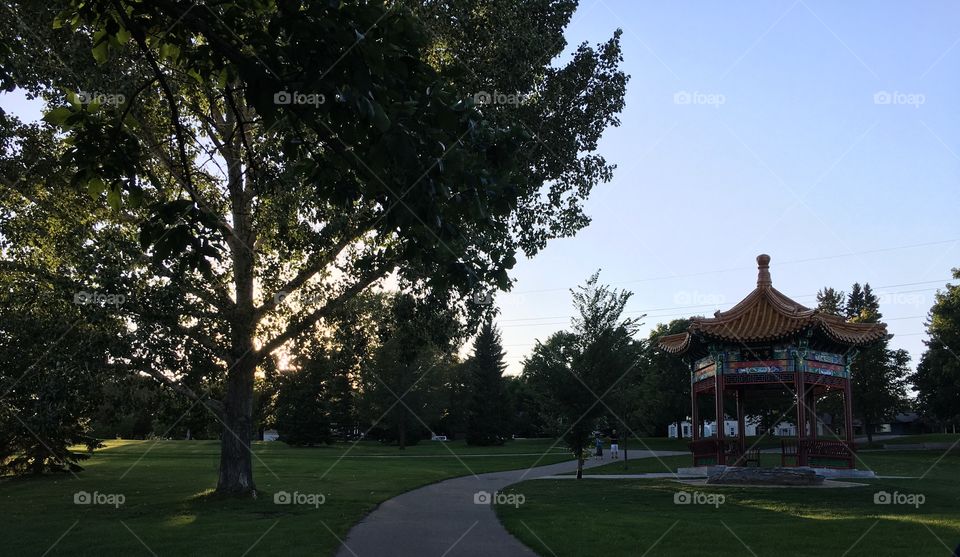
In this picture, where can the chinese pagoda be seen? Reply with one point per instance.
(768, 341)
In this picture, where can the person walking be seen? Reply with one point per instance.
(614, 444)
(599, 443)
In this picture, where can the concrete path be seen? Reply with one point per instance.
(443, 519)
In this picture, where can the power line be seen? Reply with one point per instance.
(647, 312)
(789, 262)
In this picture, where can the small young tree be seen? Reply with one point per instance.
(579, 371)
(487, 413)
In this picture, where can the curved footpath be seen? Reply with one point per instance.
(443, 520)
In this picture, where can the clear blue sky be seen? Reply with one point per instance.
(782, 148)
(790, 155)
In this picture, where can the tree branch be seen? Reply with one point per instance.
(297, 327)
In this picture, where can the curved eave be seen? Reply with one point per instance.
(675, 344)
(853, 334)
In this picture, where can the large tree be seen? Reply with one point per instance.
(267, 150)
(665, 387)
(937, 379)
(402, 384)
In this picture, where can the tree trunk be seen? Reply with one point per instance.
(580, 464)
(869, 430)
(402, 434)
(236, 460)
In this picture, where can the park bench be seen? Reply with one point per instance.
(807, 450)
(751, 457)
(829, 450)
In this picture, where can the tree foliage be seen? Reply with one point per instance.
(488, 406)
(578, 372)
(271, 161)
(937, 379)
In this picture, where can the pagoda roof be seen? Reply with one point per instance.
(765, 315)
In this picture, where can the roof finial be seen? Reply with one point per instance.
(763, 273)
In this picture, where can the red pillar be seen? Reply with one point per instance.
(741, 434)
(848, 411)
(801, 424)
(718, 403)
(813, 413)
(695, 413)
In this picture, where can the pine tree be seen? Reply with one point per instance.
(831, 301)
(878, 374)
(488, 405)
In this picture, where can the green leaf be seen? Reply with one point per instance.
(380, 119)
(57, 116)
(95, 186)
(113, 198)
(100, 47)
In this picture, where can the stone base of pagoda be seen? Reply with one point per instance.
(828, 473)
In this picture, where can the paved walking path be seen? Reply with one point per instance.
(442, 519)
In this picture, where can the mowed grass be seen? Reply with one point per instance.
(639, 517)
(924, 438)
(169, 508)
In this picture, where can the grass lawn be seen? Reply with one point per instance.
(167, 486)
(639, 517)
(925, 438)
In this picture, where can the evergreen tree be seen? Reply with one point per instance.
(878, 374)
(487, 413)
(831, 301)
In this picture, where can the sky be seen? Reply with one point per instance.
(824, 134)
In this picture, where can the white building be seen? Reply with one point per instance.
(783, 429)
